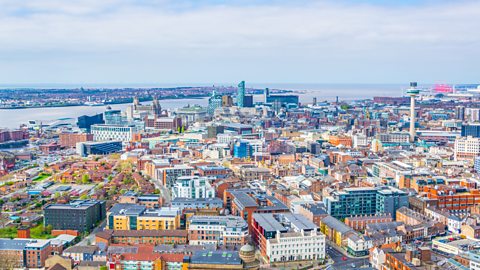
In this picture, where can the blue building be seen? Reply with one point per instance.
(477, 164)
(241, 94)
(242, 149)
(365, 202)
(85, 121)
(85, 149)
(471, 130)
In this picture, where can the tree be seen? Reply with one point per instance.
(85, 179)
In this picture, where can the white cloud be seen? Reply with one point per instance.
(340, 40)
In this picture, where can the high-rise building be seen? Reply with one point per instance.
(241, 94)
(412, 92)
(460, 113)
(266, 94)
(214, 102)
(242, 149)
(248, 101)
(227, 101)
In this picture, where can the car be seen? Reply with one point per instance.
(352, 265)
(344, 258)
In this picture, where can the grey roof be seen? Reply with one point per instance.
(284, 222)
(13, 244)
(216, 257)
(244, 199)
(81, 249)
(127, 209)
(336, 224)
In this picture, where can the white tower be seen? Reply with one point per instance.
(412, 92)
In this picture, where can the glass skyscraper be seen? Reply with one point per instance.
(241, 94)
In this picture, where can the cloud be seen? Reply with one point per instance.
(348, 40)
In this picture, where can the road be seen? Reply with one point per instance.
(164, 192)
(340, 264)
(90, 239)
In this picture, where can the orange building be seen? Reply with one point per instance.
(453, 198)
(340, 140)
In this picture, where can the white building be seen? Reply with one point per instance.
(394, 137)
(113, 132)
(360, 140)
(377, 258)
(295, 238)
(467, 148)
(168, 176)
(217, 230)
(193, 187)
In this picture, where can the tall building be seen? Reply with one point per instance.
(412, 92)
(79, 215)
(227, 101)
(114, 117)
(460, 113)
(241, 94)
(214, 102)
(266, 94)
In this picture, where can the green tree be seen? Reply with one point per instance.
(85, 179)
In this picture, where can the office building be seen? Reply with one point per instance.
(365, 201)
(467, 148)
(248, 101)
(227, 101)
(139, 217)
(114, 133)
(169, 175)
(206, 203)
(394, 137)
(287, 237)
(70, 140)
(472, 130)
(242, 149)
(191, 114)
(85, 149)
(114, 117)
(460, 113)
(79, 215)
(85, 122)
(217, 230)
(214, 102)
(241, 94)
(193, 187)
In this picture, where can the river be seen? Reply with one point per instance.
(13, 118)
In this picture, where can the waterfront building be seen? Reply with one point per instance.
(85, 122)
(114, 132)
(85, 149)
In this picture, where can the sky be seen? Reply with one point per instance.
(226, 41)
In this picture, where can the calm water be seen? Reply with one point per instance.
(13, 118)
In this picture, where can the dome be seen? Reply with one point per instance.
(247, 248)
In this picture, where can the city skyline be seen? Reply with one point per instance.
(184, 42)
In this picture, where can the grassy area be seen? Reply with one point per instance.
(39, 232)
(41, 177)
(8, 232)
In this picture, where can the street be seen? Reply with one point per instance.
(337, 256)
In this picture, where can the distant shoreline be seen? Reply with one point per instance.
(125, 101)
